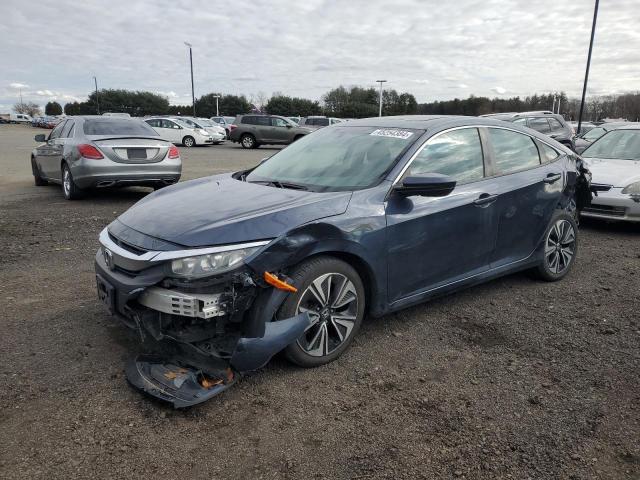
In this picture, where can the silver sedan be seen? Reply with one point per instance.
(614, 161)
(96, 151)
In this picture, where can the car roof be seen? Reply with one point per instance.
(421, 122)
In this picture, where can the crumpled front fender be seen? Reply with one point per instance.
(254, 353)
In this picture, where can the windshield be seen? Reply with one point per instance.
(616, 144)
(206, 123)
(337, 158)
(594, 134)
(117, 126)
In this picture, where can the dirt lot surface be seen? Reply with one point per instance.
(513, 379)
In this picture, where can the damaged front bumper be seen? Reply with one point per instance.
(198, 339)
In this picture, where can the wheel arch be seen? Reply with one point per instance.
(316, 240)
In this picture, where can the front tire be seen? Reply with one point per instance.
(69, 187)
(333, 295)
(560, 247)
(188, 141)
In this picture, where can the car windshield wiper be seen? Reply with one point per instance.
(275, 183)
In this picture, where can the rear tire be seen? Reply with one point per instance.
(69, 187)
(189, 141)
(560, 247)
(332, 292)
(37, 179)
(248, 141)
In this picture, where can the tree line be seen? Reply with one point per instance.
(342, 102)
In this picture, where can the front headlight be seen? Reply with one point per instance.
(202, 131)
(633, 189)
(210, 264)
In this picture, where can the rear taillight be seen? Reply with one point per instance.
(173, 152)
(89, 151)
(233, 127)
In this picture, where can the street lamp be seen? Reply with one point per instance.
(380, 82)
(97, 100)
(586, 74)
(217, 110)
(193, 95)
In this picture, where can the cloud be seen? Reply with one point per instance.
(45, 93)
(432, 49)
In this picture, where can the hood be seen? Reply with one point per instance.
(618, 173)
(220, 210)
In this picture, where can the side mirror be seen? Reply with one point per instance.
(427, 185)
(40, 138)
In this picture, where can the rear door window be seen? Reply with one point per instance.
(513, 151)
(457, 153)
(521, 121)
(263, 121)
(539, 124)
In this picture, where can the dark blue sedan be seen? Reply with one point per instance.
(362, 218)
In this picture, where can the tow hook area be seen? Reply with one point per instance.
(176, 380)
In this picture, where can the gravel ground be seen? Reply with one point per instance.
(512, 379)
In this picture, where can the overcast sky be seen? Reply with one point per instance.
(433, 49)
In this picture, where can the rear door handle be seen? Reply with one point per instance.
(552, 178)
(485, 199)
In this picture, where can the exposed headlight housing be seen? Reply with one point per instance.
(202, 131)
(210, 264)
(633, 189)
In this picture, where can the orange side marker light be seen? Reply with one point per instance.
(274, 281)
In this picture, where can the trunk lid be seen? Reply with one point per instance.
(133, 149)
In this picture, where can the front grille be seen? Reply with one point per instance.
(606, 210)
(127, 246)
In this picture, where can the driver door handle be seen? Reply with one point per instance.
(485, 199)
(552, 178)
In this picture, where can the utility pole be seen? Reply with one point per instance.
(586, 74)
(193, 95)
(97, 99)
(380, 82)
(553, 108)
(217, 109)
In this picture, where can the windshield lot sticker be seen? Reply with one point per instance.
(393, 133)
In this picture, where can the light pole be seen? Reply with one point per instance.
(380, 82)
(97, 99)
(217, 110)
(586, 73)
(193, 95)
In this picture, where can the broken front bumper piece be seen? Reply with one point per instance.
(186, 378)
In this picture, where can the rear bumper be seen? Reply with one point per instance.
(96, 173)
(614, 205)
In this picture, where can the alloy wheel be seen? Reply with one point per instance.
(66, 181)
(247, 142)
(331, 301)
(560, 246)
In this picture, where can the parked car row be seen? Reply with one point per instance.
(188, 131)
(46, 122)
